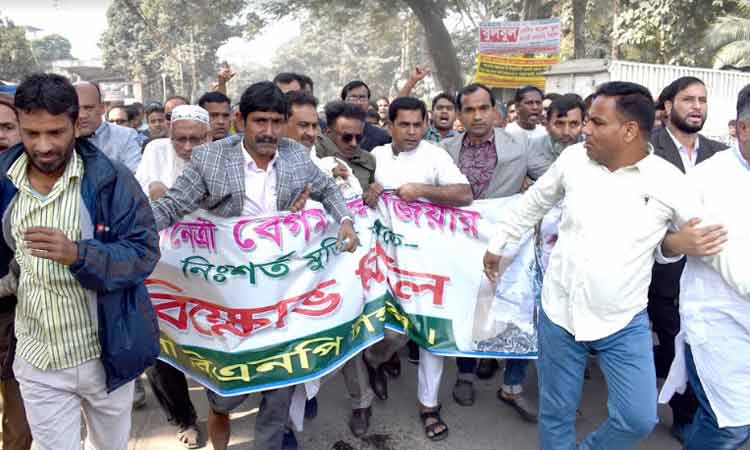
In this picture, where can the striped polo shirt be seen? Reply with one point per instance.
(54, 326)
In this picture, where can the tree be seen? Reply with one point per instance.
(666, 31)
(51, 48)
(177, 38)
(729, 38)
(430, 13)
(16, 57)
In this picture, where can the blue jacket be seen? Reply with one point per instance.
(118, 250)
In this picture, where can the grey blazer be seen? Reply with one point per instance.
(215, 181)
(514, 162)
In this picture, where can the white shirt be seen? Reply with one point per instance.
(715, 318)
(159, 163)
(689, 159)
(349, 187)
(260, 186)
(428, 164)
(515, 129)
(600, 267)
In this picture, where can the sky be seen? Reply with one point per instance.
(83, 21)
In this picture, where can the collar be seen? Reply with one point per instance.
(18, 171)
(250, 162)
(738, 153)
(681, 147)
(467, 143)
(100, 129)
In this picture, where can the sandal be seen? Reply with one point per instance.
(189, 436)
(430, 430)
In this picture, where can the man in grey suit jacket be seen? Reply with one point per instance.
(235, 176)
(496, 164)
(679, 142)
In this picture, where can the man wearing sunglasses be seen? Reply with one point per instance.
(343, 140)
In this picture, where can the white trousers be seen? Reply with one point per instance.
(429, 376)
(54, 398)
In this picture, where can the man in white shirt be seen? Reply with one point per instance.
(528, 101)
(714, 339)
(679, 142)
(414, 169)
(163, 161)
(165, 158)
(619, 201)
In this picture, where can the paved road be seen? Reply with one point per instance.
(488, 425)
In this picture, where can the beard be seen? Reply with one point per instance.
(682, 125)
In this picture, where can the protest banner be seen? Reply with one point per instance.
(253, 303)
(512, 71)
(515, 38)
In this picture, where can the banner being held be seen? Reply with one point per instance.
(253, 303)
(512, 71)
(514, 38)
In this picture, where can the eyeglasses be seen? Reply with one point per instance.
(194, 141)
(168, 116)
(357, 98)
(347, 137)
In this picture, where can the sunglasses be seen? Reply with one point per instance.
(168, 116)
(347, 137)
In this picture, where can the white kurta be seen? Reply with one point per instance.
(715, 318)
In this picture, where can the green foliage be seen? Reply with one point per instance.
(51, 48)
(666, 31)
(16, 58)
(179, 38)
(729, 37)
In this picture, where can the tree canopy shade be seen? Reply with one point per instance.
(16, 57)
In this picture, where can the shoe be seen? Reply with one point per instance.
(378, 380)
(290, 441)
(413, 352)
(311, 408)
(463, 392)
(393, 366)
(487, 368)
(359, 423)
(523, 407)
(139, 394)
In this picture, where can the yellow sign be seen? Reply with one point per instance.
(512, 71)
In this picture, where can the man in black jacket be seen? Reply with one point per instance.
(685, 103)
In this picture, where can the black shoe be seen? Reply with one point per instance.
(393, 366)
(378, 380)
(413, 352)
(359, 422)
(290, 441)
(311, 408)
(487, 368)
(463, 392)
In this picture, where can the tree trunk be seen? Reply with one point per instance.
(531, 9)
(447, 68)
(615, 47)
(579, 17)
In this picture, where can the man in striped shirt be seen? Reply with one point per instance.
(74, 274)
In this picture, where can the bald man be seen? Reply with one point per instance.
(120, 144)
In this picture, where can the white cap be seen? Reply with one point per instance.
(190, 112)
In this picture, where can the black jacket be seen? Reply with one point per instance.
(665, 278)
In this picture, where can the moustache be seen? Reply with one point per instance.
(265, 140)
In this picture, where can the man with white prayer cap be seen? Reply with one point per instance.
(163, 161)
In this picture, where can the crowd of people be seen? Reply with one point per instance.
(647, 215)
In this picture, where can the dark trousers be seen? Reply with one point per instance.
(664, 313)
(171, 390)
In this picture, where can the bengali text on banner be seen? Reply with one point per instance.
(247, 304)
